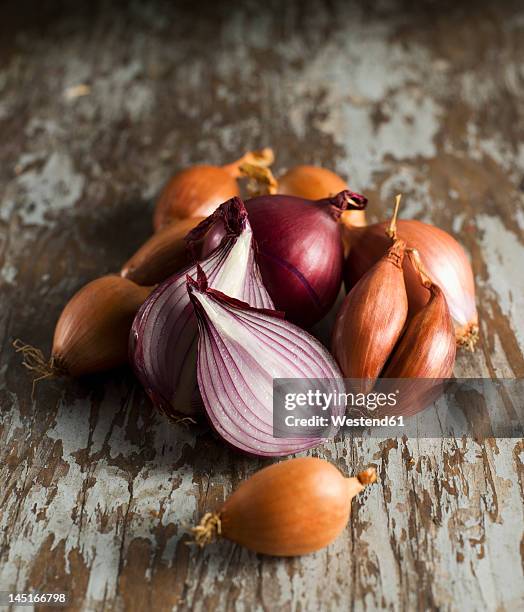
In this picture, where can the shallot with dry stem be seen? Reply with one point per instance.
(197, 191)
(291, 508)
(371, 319)
(443, 257)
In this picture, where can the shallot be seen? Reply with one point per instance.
(291, 508)
(92, 333)
(443, 257)
(371, 319)
(198, 190)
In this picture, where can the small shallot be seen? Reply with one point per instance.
(198, 190)
(427, 348)
(291, 508)
(371, 319)
(426, 352)
(92, 333)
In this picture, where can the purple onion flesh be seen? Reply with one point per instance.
(163, 340)
(241, 350)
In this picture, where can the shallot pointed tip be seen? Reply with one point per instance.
(368, 476)
(391, 231)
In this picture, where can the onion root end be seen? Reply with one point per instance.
(208, 530)
(467, 336)
(34, 361)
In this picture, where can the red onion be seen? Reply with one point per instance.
(300, 251)
(442, 256)
(240, 351)
(163, 338)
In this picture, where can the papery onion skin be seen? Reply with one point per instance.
(315, 183)
(371, 320)
(427, 349)
(291, 508)
(241, 350)
(300, 251)
(92, 332)
(424, 356)
(443, 257)
(194, 192)
(197, 191)
(162, 255)
(163, 340)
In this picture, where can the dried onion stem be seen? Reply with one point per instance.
(260, 159)
(261, 179)
(392, 229)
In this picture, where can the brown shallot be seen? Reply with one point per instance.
(371, 319)
(427, 348)
(92, 333)
(425, 355)
(198, 190)
(162, 255)
(287, 509)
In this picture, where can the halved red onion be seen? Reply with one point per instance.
(241, 350)
(163, 340)
(300, 250)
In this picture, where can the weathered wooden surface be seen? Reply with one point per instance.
(422, 98)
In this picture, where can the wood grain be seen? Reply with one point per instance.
(95, 487)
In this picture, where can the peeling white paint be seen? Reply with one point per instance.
(504, 257)
(55, 187)
(8, 273)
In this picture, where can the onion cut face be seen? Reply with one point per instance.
(442, 256)
(241, 350)
(163, 338)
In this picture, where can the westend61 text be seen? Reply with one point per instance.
(343, 421)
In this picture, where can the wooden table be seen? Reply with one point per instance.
(97, 487)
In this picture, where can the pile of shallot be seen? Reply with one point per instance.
(220, 301)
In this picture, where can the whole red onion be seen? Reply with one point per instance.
(299, 250)
(442, 256)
